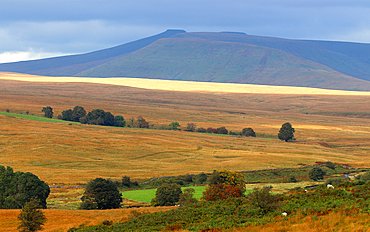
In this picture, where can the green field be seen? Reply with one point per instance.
(36, 118)
(148, 194)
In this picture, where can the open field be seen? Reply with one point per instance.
(62, 220)
(328, 127)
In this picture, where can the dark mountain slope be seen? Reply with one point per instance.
(349, 58)
(204, 60)
(71, 65)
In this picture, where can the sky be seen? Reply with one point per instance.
(33, 29)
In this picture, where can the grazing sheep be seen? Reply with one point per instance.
(305, 190)
(284, 214)
(330, 186)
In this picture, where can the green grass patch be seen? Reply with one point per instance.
(147, 195)
(36, 118)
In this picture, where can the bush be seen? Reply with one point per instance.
(222, 130)
(167, 195)
(330, 165)
(316, 174)
(292, 179)
(188, 178)
(221, 191)
(201, 130)
(262, 199)
(31, 217)
(202, 177)
(335, 181)
(126, 181)
(228, 178)
(186, 198)
(249, 132)
(190, 127)
(101, 194)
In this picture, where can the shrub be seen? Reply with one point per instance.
(228, 178)
(222, 130)
(201, 130)
(174, 125)
(211, 130)
(335, 181)
(190, 127)
(221, 191)
(126, 181)
(330, 165)
(316, 174)
(31, 217)
(167, 195)
(202, 177)
(262, 199)
(292, 179)
(249, 132)
(186, 198)
(188, 178)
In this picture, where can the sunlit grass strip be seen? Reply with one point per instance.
(36, 118)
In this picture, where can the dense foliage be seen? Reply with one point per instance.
(228, 178)
(48, 112)
(220, 192)
(18, 188)
(101, 194)
(167, 195)
(248, 132)
(347, 199)
(31, 217)
(286, 132)
(316, 174)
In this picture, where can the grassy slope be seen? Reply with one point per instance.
(203, 60)
(36, 118)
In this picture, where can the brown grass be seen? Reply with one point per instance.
(62, 220)
(64, 154)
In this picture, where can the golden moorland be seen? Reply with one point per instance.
(330, 126)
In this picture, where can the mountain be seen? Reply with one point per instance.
(219, 57)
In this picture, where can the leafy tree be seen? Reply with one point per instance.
(18, 188)
(191, 127)
(126, 181)
(262, 199)
(201, 130)
(316, 174)
(48, 112)
(249, 132)
(186, 198)
(286, 132)
(31, 217)
(228, 178)
(141, 123)
(211, 130)
(77, 113)
(101, 194)
(83, 120)
(119, 121)
(222, 130)
(67, 115)
(108, 119)
(174, 125)
(96, 117)
(167, 195)
(221, 191)
(202, 177)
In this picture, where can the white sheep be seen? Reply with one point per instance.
(284, 214)
(330, 186)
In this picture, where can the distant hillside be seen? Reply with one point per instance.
(219, 57)
(73, 64)
(214, 61)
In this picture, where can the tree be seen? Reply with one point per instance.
(228, 178)
(67, 115)
(222, 130)
(101, 194)
(108, 119)
(262, 199)
(186, 198)
(174, 125)
(330, 165)
(141, 123)
(286, 132)
(188, 178)
(221, 191)
(167, 195)
(77, 113)
(249, 132)
(202, 177)
(18, 188)
(96, 117)
(119, 121)
(316, 174)
(126, 181)
(31, 217)
(191, 127)
(48, 112)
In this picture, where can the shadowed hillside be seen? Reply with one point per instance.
(214, 61)
(219, 57)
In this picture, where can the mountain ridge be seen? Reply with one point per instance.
(217, 57)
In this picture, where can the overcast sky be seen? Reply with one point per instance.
(32, 29)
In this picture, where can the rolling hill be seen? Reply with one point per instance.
(219, 57)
